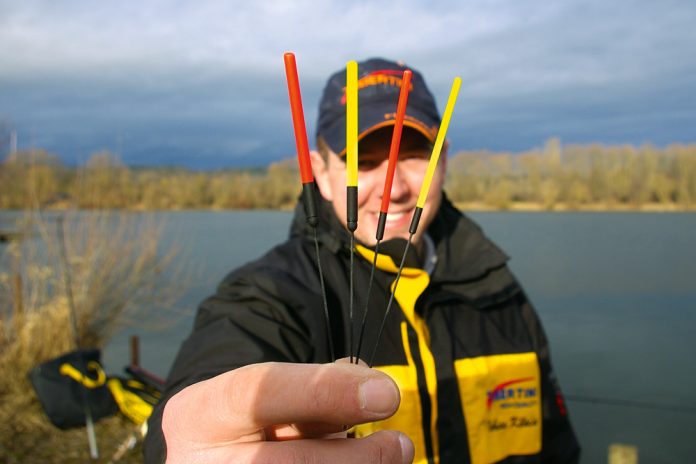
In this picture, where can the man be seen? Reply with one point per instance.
(461, 374)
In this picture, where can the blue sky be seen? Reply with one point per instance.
(201, 84)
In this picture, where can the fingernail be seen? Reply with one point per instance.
(407, 450)
(378, 396)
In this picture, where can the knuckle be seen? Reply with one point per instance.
(385, 450)
(174, 419)
(167, 419)
(174, 412)
(306, 458)
(231, 393)
(326, 393)
(236, 394)
(295, 455)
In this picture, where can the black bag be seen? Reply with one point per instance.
(62, 384)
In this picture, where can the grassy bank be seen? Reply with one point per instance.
(119, 277)
(553, 177)
(564, 207)
(48, 444)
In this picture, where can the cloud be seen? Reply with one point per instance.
(231, 35)
(206, 77)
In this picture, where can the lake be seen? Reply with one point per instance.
(616, 293)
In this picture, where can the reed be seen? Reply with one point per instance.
(121, 276)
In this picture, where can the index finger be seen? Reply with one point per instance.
(244, 401)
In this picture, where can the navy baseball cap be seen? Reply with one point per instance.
(379, 84)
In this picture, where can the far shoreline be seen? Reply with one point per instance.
(583, 208)
(473, 207)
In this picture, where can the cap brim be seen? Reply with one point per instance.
(371, 121)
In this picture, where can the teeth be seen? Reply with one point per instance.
(394, 216)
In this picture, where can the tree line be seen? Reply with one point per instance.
(551, 177)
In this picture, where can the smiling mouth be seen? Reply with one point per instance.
(393, 217)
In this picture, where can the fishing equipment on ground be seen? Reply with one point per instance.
(66, 384)
(423, 195)
(386, 195)
(135, 399)
(351, 180)
(146, 377)
(309, 188)
(61, 382)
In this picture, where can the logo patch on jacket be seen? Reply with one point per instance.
(501, 401)
(512, 394)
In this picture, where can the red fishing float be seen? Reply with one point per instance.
(309, 191)
(298, 121)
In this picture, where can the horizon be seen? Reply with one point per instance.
(203, 87)
(291, 159)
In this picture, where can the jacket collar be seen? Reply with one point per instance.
(464, 252)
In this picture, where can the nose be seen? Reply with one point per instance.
(400, 189)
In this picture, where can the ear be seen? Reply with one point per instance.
(320, 169)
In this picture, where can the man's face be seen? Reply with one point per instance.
(373, 155)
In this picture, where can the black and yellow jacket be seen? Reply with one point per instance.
(464, 344)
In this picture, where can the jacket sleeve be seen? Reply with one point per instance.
(559, 443)
(257, 315)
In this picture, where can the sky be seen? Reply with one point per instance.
(202, 84)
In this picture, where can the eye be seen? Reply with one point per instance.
(367, 164)
(414, 154)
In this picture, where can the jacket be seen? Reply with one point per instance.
(463, 343)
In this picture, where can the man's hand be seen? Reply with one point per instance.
(285, 413)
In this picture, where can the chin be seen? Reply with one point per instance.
(397, 226)
(396, 234)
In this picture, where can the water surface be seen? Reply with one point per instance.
(616, 293)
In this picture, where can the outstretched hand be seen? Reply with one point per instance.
(284, 413)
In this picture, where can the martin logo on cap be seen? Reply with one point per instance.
(379, 84)
(382, 77)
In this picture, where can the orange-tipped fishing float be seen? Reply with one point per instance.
(386, 195)
(351, 180)
(423, 195)
(298, 123)
(309, 192)
(394, 151)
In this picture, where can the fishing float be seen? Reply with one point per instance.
(309, 191)
(351, 180)
(386, 194)
(422, 196)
